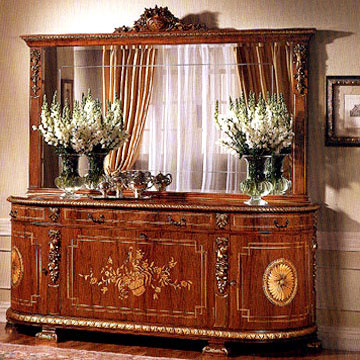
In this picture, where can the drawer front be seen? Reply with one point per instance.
(272, 222)
(140, 219)
(27, 213)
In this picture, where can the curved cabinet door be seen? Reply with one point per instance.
(28, 290)
(274, 281)
(147, 277)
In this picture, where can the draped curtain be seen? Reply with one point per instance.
(181, 136)
(128, 72)
(266, 67)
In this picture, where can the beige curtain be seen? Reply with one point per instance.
(128, 71)
(267, 67)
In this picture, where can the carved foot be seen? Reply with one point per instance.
(314, 345)
(10, 328)
(47, 334)
(216, 349)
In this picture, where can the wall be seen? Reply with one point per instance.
(334, 172)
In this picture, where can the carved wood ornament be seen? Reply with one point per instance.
(54, 255)
(159, 19)
(222, 264)
(35, 57)
(300, 52)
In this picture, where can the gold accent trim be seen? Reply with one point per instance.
(222, 264)
(136, 275)
(147, 205)
(171, 330)
(280, 282)
(17, 267)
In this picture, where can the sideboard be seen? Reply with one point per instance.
(197, 268)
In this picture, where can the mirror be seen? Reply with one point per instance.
(173, 101)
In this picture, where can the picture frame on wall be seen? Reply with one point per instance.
(342, 111)
(67, 92)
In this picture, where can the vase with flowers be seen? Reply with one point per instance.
(256, 129)
(83, 131)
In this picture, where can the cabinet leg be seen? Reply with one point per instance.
(47, 334)
(216, 348)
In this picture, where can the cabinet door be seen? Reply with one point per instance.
(274, 280)
(28, 288)
(153, 277)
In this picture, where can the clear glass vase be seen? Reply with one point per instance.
(274, 174)
(95, 173)
(69, 179)
(256, 185)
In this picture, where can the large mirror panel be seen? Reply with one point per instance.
(168, 93)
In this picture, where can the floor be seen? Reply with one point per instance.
(159, 347)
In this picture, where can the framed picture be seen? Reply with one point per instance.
(342, 111)
(67, 92)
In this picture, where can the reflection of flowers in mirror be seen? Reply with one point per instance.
(85, 129)
(255, 127)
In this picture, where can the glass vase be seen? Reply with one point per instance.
(256, 185)
(274, 174)
(69, 179)
(95, 173)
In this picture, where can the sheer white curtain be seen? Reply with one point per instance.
(180, 135)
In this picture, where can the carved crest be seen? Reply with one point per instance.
(54, 214)
(159, 19)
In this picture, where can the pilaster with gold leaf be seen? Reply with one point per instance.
(222, 264)
(35, 59)
(300, 54)
(54, 255)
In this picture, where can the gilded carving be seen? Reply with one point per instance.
(280, 282)
(221, 220)
(159, 19)
(35, 57)
(115, 325)
(300, 64)
(136, 276)
(17, 267)
(54, 214)
(222, 264)
(54, 255)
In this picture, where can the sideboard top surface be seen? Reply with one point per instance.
(168, 202)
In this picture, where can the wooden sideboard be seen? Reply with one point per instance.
(198, 268)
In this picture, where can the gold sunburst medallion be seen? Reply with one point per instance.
(17, 267)
(280, 282)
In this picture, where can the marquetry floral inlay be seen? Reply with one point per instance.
(280, 282)
(17, 267)
(136, 276)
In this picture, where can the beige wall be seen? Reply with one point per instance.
(334, 172)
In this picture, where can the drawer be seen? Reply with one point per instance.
(273, 222)
(27, 213)
(140, 219)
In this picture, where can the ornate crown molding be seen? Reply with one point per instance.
(159, 19)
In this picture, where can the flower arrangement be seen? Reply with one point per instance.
(86, 129)
(83, 131)
(256, 128)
